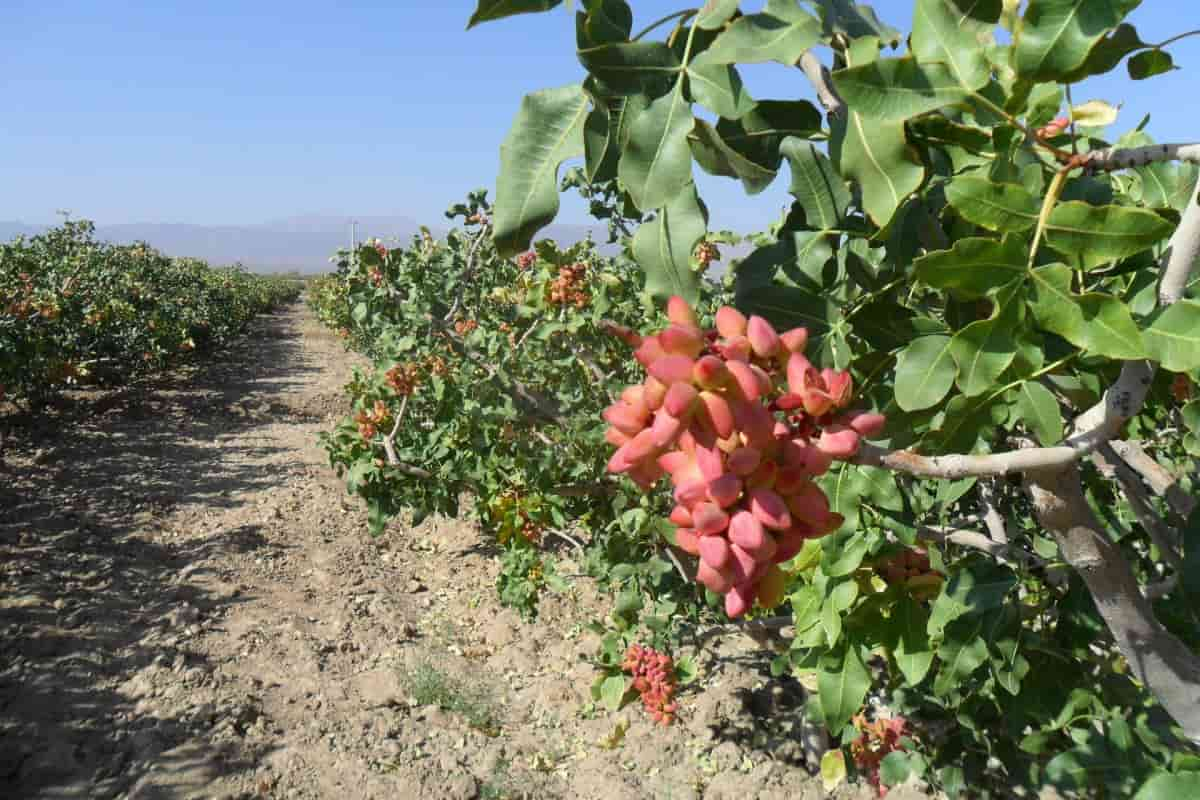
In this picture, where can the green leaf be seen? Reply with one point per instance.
(894, 769)
(911, 649)
(962, 651)
(663, 247)
(985, 348)
(1040, 411)
(925, 371)
(1094, 235)
(973, 267)
(1173, 338)
(1055, 37)
(782, 32)
(718, 87)
(1107, 53)
(601, 137)
(842, 684)
(815, 184)
(1149, 63)
(875, 154)
(656, 162)
(977, 587)
(715, 13)
(1096, 322)
(897, 88)
(548, 130)
(993, 205)
(612, 691)
(488, 10)
(856, 20)
(943, 32)
(717, 158)
(1168, 786)
(629, 67)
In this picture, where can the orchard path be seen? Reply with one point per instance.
(190, 606)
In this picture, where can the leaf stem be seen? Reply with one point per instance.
(683, 16)
(1174, 39)
(1052, 195)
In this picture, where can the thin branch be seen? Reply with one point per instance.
(1174, 39)
(683, 16)
(468, 272)
(389, 447)
(566, 537)
(1160, 481)
(1113, 158)
(977, 541)
(818, 75)
(1164, 539)
(991, 514)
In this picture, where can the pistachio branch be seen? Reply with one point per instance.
(1113, 158)
(818, 75)
(389, 447)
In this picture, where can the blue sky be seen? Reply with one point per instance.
(242, 112)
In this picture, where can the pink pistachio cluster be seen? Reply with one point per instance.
(742, 422)
(654, 679)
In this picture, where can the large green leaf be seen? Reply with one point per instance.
(781, 32)
(663, 247)
(1040, 412)
(943, 32)
(876, 154)
(1173, 338)
(815, 184)
(656, 162)
(974, 266)
(925, 371)
(548, 130)
(1096, 322)
(842, 685)
(718, 87)
(1055, 37)
(898, 88)
(985, 348)
(1093, 235)
(993, 205)
(488, 10)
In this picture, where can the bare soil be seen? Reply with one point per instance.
(191, 606)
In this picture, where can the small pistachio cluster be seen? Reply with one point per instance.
(570, 287)
(742, 422)
(654, 679)
(369, 422)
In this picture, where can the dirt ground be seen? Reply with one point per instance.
(191, 606)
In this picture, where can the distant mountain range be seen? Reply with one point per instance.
(303, 243)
